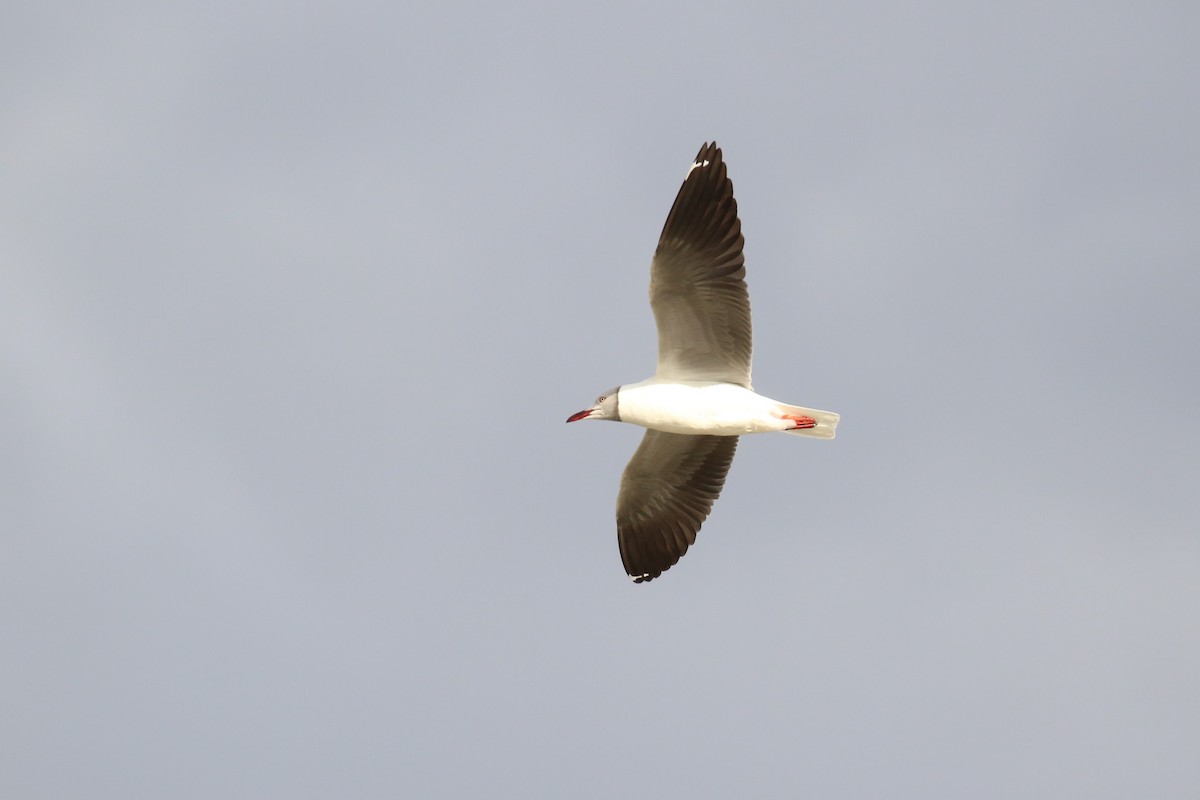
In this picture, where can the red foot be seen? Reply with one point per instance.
(801, 422)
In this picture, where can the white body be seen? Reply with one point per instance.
(712, 408)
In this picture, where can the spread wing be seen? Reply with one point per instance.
(666, 493)
(697, 281)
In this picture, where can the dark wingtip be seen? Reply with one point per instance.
(709, 151)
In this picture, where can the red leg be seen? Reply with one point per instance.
(801, 422)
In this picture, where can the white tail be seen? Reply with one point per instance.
(826, 427)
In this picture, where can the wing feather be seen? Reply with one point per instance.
(667, 492)
(697, 281)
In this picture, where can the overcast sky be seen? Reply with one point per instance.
(294, 301)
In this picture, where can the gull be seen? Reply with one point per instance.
(700, 399)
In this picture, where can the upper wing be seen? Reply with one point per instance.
(666, 493)
(697, 286)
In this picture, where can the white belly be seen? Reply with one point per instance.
(699, 408)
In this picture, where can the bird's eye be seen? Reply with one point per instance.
(601, 399)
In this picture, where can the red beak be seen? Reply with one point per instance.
(580, 415)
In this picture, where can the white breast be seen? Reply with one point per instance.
(698, 408)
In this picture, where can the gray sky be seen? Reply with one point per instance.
(294, 303)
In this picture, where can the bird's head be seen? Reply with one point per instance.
(607, 407)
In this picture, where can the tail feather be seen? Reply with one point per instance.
(826, 427)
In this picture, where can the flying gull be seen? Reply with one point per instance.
(700, 399)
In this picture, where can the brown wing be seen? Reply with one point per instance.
(666, 493)
(697, 281)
